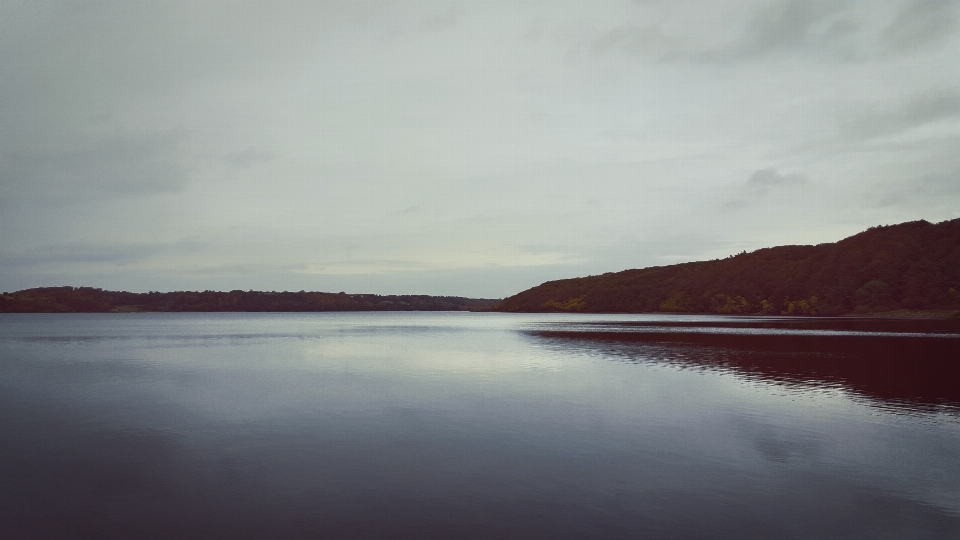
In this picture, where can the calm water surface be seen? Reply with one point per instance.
(457, 425)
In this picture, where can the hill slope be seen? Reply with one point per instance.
(913, 265)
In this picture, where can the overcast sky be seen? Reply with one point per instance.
(459, 148)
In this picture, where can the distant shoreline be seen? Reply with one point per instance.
(92, 300)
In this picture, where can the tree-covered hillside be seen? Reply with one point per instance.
(87, 299)
(913, 265)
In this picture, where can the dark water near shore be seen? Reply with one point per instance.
(457, 425)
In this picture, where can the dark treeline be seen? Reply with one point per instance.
(87, 299)
(912, 266)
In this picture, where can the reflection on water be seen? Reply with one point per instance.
(420, 425)
(910, 370)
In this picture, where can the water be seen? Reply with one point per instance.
(459, 425)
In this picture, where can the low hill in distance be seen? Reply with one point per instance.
(910, 266)
(90, 300)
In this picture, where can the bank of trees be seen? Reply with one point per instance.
(913, 265)
(87, 299)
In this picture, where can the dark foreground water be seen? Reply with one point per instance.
(476, 426)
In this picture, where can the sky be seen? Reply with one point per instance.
(467, 148)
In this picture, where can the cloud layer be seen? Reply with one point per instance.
(472, 148)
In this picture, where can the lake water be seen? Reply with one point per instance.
(476, 425)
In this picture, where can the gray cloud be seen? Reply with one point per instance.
(817, 28)
(249, 157)
(127, 164)
(922, 109)
(941, 187)
(648, 41)
(766, 179)
(791, 26)
(438, 22)
(80, 254)
(920, 24)
(468, 147)
(760, 185)
(825, 30)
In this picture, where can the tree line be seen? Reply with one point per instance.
(88, 299)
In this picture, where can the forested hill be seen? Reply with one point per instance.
(913, 265)
(86, 299)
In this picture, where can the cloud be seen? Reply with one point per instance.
(84, 253)
(844, 29)
(769, 178)
(649, 41)
(791, 26)
(126, 164)
(824, 30)
(923, 109)
(439, 257)
(818, 28)
(359, 137)
(249, 157)
(438, 22)
(920, 24)
(942, 187)
(760, 184)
